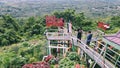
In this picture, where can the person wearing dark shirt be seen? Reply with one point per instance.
(89, 37)
(79, 34)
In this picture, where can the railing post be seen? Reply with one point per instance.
(117, 60)
(104, 54)
(105, 50)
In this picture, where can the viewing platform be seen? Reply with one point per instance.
(58, 36)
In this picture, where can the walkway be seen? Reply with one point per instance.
(100, 60)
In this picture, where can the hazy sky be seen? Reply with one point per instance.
(56, 0)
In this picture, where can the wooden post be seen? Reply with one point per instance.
(78, 51)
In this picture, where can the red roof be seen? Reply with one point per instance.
(53, 21)
(114, 38)
(103, 25)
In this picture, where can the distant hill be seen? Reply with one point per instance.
(91, 8)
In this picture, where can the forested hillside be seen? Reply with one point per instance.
(17, 30)
(21, 41)
(91, 8)
(13, 30)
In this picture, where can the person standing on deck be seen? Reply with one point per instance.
(89, 37)
(79, 34)
(69, 25)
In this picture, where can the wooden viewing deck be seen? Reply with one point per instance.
(58, 36)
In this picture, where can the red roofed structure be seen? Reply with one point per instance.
(113, 40)
(103, 25)
(53, 21)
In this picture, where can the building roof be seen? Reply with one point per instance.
(113, 40)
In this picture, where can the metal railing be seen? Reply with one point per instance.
(98, 58)
(114, 60)
(56, 35)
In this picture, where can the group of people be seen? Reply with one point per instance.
(88, 40)
(79, 35)
(89, 36)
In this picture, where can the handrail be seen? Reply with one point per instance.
(57, 33)
(114, 52)
(93, 54)
(108, 54)
(109, 48)
(112, 58)
(97, 57)
(109, 57)
(100, 31)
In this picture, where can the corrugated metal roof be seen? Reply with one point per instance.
(114, 38)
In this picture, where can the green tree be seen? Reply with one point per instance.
(79, 20)
(68, 15)
(28, 25)
(9, 23)
(5, 42)
(37, 29)
(115, 21)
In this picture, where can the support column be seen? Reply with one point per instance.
(63, 49)
(78, 51)
(81, 53)
(49, 49)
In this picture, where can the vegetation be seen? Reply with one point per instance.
(14, 30)
(69, 61)
(17, 55)
(78, 19)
